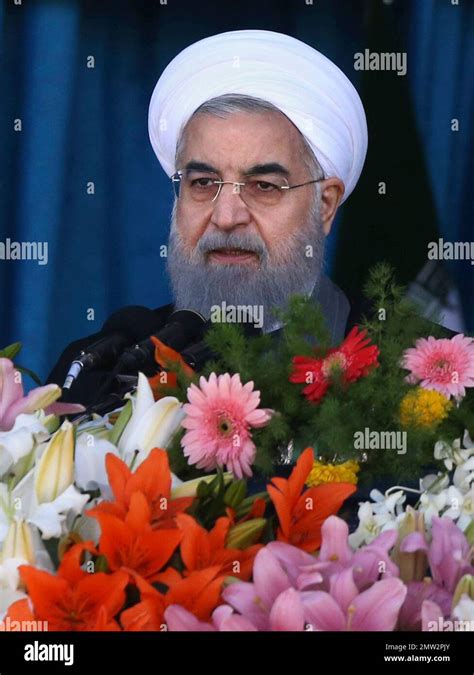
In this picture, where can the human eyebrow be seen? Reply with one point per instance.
(194, 165)
(263, 169)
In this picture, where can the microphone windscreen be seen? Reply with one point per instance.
(134, 321)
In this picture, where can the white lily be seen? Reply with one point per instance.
(9, 583)
(387, 504)
(455, 454)
(23, 546)
(98, 424)
(443, 451)
(93, 446)
(371, 525)
(85, 527)
(464, 610)
(152, 424)
(19, 542)
(28, 431)
(434, 483)
(463, 477)
(467, 511)
(461, 507)
(90, 471)
(49, 517)
(55, 470)
(432, 504)
(189, 488)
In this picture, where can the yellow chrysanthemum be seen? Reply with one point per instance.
(424, 408)
(333, 473)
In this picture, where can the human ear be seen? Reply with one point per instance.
(332, 191)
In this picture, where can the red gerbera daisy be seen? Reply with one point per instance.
(353, 359)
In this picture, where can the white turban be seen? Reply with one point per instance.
(305, 85)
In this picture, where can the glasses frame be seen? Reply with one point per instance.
(177, 176)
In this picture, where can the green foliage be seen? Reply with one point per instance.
(120, 423)
(373, 401)
(178, 462)
(213, 498)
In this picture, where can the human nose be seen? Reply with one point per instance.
(229, 209)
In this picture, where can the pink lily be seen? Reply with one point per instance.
(345, 609)
(418, 593)
(450, 555)
(286, 614)
(179, 619)
(373, 562)
(280, 599)
(13, 402)
(256, 600)
(368, 564)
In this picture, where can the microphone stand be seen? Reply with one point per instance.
(113, 400)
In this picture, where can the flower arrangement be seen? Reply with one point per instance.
(311, 394)
(162, 560)
(221, 501)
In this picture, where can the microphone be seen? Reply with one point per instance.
(183, 327)
(197, 355)
(123, 328)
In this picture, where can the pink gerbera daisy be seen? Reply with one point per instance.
(218, 419)
(446, 365)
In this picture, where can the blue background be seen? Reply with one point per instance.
(81, 124)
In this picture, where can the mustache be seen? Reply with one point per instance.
(243, 240)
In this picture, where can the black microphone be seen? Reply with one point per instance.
(182, 328)
(122, 329)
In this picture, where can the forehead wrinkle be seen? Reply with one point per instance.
(282, 130)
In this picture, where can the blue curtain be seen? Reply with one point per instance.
(83, 125)
(441, 53)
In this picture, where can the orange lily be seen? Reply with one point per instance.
(73, 599)
(199, 593)
(301, 514)
(201, 549)
(132, 543)
(153, 479)
(164, 356)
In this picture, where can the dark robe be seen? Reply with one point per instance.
(334, 306)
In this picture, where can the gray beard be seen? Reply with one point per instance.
(201, 285)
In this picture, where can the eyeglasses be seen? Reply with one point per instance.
(201, 187)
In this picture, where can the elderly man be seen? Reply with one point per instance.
(239, 221)
(263, 138)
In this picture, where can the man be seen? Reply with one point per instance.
(263, 138)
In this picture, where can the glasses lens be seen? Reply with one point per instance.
(202, 187)
(199, 187)
(258, 192)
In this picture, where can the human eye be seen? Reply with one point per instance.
(202, 182)
(264, 186)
